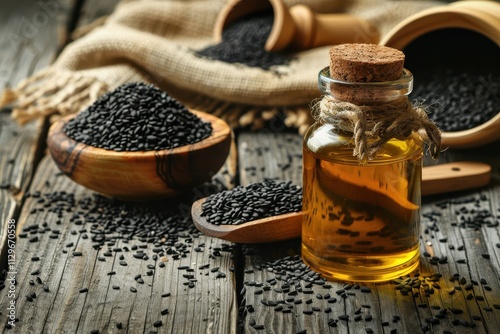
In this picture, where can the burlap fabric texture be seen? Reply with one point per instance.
(155, 41)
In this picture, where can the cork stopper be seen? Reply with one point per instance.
(365, 63)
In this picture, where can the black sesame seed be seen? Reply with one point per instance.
(243, 42)
(456, 310)
(129, 107)
(254, 201)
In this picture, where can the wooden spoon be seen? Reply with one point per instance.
(435, 179)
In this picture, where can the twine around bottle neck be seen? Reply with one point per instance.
(398, 119)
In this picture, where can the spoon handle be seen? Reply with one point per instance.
(454, 176)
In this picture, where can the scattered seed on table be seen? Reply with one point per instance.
(77, 253)
(365, 289)
(83, 290)
(456, 310)
(132, 289)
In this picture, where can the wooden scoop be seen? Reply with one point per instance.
(435, 179)
(299, 28)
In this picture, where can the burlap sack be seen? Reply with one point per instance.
(155, 41)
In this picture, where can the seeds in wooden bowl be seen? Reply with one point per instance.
(137, 117)
(460, 80)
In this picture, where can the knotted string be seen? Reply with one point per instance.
(394, 119)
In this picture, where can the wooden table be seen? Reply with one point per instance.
(205, 285)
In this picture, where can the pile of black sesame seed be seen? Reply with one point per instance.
(459, 100)
(137, 117)
(254, 201)
(243, 42)
(457, 76)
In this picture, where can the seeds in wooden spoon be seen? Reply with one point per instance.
(254, 201)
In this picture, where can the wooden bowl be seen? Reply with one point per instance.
(482, 17)
(141, 175)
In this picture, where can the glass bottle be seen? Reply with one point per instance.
(361, 220)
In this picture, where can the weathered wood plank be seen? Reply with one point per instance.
(390, 309)
(209, 301)
(31, 32)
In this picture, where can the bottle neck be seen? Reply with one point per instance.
(370, 110)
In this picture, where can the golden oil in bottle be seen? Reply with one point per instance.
(362, 167)
(361, 222)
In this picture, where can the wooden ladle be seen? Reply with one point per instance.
(435, 179)
(299, 28)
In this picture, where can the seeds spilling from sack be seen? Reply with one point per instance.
(254, 201)
(243, 42)
(137, 117)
